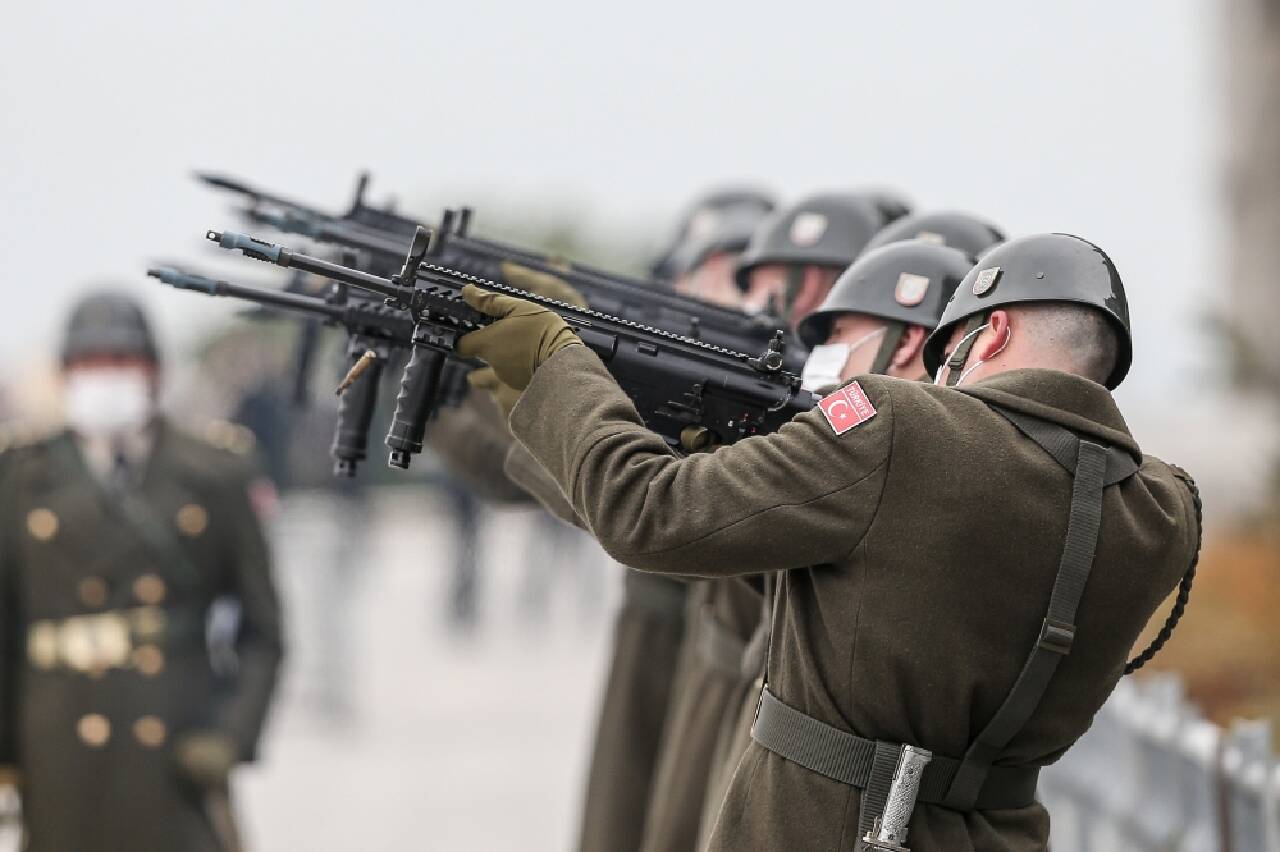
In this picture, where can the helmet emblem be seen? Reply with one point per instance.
(932, 238)
(808, 228)
(986, 281)
(911, 289)
(703, 224)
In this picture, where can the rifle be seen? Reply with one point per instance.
(379, 235)
(692, 393)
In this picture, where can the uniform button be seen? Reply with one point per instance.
(42, 524)
(92, 591)
(148, 622)
(150, 731)
(148, 659)
(192, 519)
(149, 589)
(94, 730)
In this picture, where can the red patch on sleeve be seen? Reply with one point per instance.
(846, 408)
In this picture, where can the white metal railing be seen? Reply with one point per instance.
(1152, 774)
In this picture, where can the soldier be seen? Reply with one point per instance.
(117, 535)
(874, 320)
(967, 564)
(701, 259)
(796, 255)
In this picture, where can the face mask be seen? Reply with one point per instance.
(938, 379)
(825, 365)
(107, 401)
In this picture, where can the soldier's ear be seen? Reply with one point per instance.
(910, 346)
(994, 338)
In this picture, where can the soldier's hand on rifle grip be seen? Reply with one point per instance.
(521, 339)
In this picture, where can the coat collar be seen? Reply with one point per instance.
(1068, 400)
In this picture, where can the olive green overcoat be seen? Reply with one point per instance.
(920, 548)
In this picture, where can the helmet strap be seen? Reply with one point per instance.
(795, 281)
(956, 360)
(893, 332)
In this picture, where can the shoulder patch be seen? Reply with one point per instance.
(847, 407)
(231, 437)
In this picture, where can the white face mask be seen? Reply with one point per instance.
(107, 401)
(825, 366)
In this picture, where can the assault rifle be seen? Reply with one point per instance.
(692, 393)
(379, 235)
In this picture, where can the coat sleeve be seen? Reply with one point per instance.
(259, 644)
(801, 496)
(472, 439)
(525, 471)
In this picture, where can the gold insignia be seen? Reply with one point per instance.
(94, 730)
(148, 660)
(149, 588)
(92, 591)
(150, 731)
(42, 524)
(148, 622)
(192, 519)
(76, 645)
(42, 644)
(111, 640)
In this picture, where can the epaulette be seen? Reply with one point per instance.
(15, 435)
(231, 437)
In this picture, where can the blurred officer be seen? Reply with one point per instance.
(964, 231)
(796, 255)
(874, 320)
(967, 564)
(117, 535)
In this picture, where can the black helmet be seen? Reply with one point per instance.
(108, 322)
(722, 220)
(822, 230)
(1039, 268)
(909, 283)
(890, 204)
(966, 232)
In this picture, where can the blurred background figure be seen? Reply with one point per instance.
(711, 234)
(122, 532)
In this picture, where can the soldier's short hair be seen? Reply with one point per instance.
(1081, 335)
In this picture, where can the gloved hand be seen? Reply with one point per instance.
(524, 336)
(206, 758)
(541, 283)
(485, 379)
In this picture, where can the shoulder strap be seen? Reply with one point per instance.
(1091, 466)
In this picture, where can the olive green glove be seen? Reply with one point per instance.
(524, 336)
(206, 758)
(541, 284)
(485, 379)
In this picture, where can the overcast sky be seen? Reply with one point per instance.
(1099, 118)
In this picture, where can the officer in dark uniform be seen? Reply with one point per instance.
(967, 565)
(117, 536)
(796, 255)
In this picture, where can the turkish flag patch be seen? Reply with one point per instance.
(846, 408)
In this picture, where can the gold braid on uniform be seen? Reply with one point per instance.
(1184, 586)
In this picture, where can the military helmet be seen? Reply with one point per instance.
(1039, 268)
(721, 220)
(822, 230)
(970, 234)
(108, 322)
(890, 204)
(908, 282)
